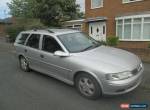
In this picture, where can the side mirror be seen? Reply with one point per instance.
(61, 54)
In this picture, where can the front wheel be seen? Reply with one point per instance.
(88, 86)
(24, 64)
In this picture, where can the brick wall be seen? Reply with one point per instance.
(133, 44)
(144, 54)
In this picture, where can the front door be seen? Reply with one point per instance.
(97, 30)
(51, 64)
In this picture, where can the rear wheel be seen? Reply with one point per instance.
(24, 65)
(88, 86)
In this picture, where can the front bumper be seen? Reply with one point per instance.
(123, 86)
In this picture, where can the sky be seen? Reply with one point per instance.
(82, 4)
(4, 10)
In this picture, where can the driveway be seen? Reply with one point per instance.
(33, 91)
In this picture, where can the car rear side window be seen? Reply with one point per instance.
(22, 39)
(33, 41)
(50, 44)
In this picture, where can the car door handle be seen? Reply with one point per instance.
(25, 50)
(42, 56)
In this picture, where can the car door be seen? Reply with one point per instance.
(32, 51)
(53, 65)
(20, 43)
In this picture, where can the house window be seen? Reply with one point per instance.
(75, 26)
(146, 28)
(130, 1)
(78, 27)
(96, 4)
(127, 29)
(69, 26)
(137, 24)
(119, 28)
(133, 28)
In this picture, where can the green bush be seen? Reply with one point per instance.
(102, 42)
(13, 31)
(112, 41)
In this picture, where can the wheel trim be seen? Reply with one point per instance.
(86, 86)
(23, 63)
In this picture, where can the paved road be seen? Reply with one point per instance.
(34, 91)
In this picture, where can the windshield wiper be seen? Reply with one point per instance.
(87, 48)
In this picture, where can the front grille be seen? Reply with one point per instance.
(137, 70)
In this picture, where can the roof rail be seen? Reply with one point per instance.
(38, 28)
(49, 30)
(46, 29)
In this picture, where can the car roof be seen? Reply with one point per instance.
(51, 31)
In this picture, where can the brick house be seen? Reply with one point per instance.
(127, 19)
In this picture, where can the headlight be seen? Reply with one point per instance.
(119, 76)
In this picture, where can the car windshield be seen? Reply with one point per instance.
(78, 42)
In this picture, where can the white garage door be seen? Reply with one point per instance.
(97, 30)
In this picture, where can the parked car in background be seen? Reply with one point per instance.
(75, 58)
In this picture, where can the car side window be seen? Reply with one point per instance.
(50, 44)
(33, 41)
(22, 38)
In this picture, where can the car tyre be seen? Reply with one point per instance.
(24, 65)
(88, 86)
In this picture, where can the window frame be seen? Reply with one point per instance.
(20, 36)
(69, 26)
(77, 26)
(30, 37)
(102, 4)
(129, 1)
(127, 24)
(42, 43)
(145, 22)
(132, 23)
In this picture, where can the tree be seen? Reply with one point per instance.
(54, 12)
(50, 12)
(22, 8)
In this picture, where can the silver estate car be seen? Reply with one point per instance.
(77, 59)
